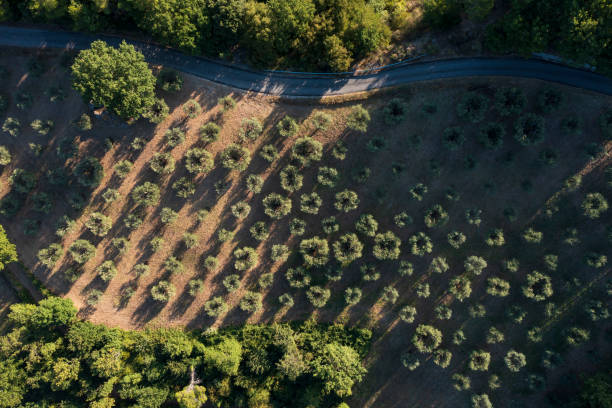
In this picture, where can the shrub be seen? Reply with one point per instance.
(515, 361)
(361, 175)
(410, 361)
(495, 237)
(510, 101)
(259, 231)
(318, 296)
(241, 209)
(328, 176)
(168, 215)
(12, 126)
(436, 216)
(192, 108)
(215, 307)
(367, 225)
(170, 80)
(287, 127)
(498, 287)
(64, 225)
(121, 244)
(346, 201)
(135, 219)
(492, 136)
(279, 252)
(235, 157)
(596, 260)
(494, 336)
(443, 312)
(81, 251)
(386, 246)
(315, 251)
(163, 291)
(99, 224)
(156, 243)
(298, 277)
(575, 336)
(225, 235)
(461, 287)
(310, 203)
(347, 248)
(123, 168)
(251, 302)
(426, 338)
(339, 150)
(195, 286)
(420, 244)
(162, 163)
(596, 310)
(329, 225)
(231, 283)
(209, 132)
(291, 179)
(42, 127)
(461, 382)
(407, 314)
(453, 138)
(479, 360)
(250, 129)
(390, 295)
(265, 280)
(198, 161)
(549, 100)
(594, 205)
(456, 239)
(405, 268)
(173, 265)
(276, 206)
(422, 290)
(190, 240)
(333, 273)
(22, 181)
(358, 119)
(221, 186)
(438, 265)
(442, 358)
(402, 219)
(89, 172)
(5, 156)
(41, 202)
(529, 129)
(286, 300)
(269, 153)
(210, 263)
(472, 107)
(481, 401)
(321, 120)
(245, 258)
(184, 187)
(306, 150)
(146, 194)
(157, 112)
(107, 270)
(395, 111)
(50, 255)
(474, 264)
(138, 143)
(532, 236)
(93, 297)
(369, 272)
(538, 286)
(458, 337)
(297, 227)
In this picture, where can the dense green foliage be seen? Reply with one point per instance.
(50, 358)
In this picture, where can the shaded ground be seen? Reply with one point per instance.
(512, 176)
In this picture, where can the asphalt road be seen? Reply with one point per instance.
(308, 85)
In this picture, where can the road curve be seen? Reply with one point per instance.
(309, 85)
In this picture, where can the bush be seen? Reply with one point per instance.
(12, 126)
(64, 225)
(420, 244)
(146, 194)
(198, 161)
(279, 252)
(529, 129)
(287, 127)
(495, 237)
(297, 277)
(192, 108)
(594, 205)
(329, 225)
(310, 203)
(461, 382)
(231, 283)
(138, 143)
(158, 111)
(321, 120)
(369, 272)
(318, 296)
(297, 227)
(515, 361)
(442, 358)
(443, 312)
(328, 176)
(276, 206)
(426, 338)
(492, 136)
(241, 209)
(41, 202)
(107, 270)
(315, 251)
(135, 219)
(596, 260)
(498, 287)
(170, 80)
(123, 168)
(163, 291)
(251, 302)
(81, 251)
(346, 201)
(453, 138)
(190, 240)
(245, 258)
(405, 268)
(162, 163)
(532, 236)
(173, 265)
(358, 119)
(549, 100)
(50, 255)
(99, 224)
(42, 127)
(367, 225)
(225, 235)
(333, 273)
(156, 243)
(390, 295)
(265, 280)
(474, 264)
(538, 286)
(215, 307)
(184, 187)
(458, 337)
(494, 336)
(339, 150)
(410, 361)
(386, 246)
(195, 286)
(422, 290)
(235, 157)
(93, 297)
(456, 239)
(347, 248)
(479, 360)
(5, 156)
(83, 122)
(481, 401)
(22, 181)
(210, 263)
(436, 216)
(395, 111)
(286, 300)
(306, 150)
(250, 129)
(259, 231)
(575, 336)
(269, 153)
(352, 296)
(461, 287)
(89, 172)
(209, 132)
(121, 244)
(510, 101)
(472, 107)
(168, 215)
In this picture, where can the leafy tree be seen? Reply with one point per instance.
(117, 78)
(481, 401)
(346, 200)
(442, 357)
(287, 126)
(461, 382)
(235, 157)
(251, 302)
(291, 179)
(405, 268)
(146, 194)
(315, 251)
(231, 283)
(347, 248)
(495, 237)
(276, 206)
(479, 360)
(327, 176)
(5, 156)
(538, 286)
(498, 287)
(306, 150)
(184, 187)
(321, 120)
(453, 138)
(594, 205)
(241, 209)
(461, 287)
(12, 126)
(390, 294)
(215, 306)
(89, 172)
(192, 108)
(192, 396)
(99, 224)
(456, 239)
(420, 244)
(259, 231)
(209, 132)
(50, 313)
(245, 258)
(510, 100)
(426, 338)
(254, 183)
(163, 291)
(395, 111)
(174, 137)
(224, 357)
(162, 163)
(47, 256)
(81, 251)
(436, 216)
(492, 135)
(515, 360)
(269, 153)
(298, 277)
(279, 252)
(352, 296)
(407, 314)
(174, 265)
(339, 368)
(474, 264)
(386, 246)
(367, 225)
(107, 270)
(310, 203)
(318, 296)
(472, 107)
(358, 119)
(529, 129)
